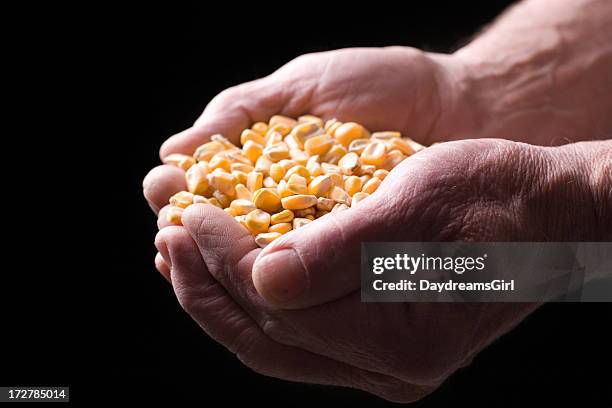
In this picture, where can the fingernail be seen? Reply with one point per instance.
(280, 276)
(161, 246)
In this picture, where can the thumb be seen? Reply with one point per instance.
(233, 110)
(321, 261)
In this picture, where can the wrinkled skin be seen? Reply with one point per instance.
(249, 299)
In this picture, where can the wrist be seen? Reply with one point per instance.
(461, 115)
(594, 161)
(575, 191)
(541, 74)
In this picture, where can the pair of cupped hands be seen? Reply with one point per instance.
(292, 310)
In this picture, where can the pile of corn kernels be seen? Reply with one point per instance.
(288, 172)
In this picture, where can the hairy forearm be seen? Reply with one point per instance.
(541, 74)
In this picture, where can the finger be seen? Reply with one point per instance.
(321, 261)
(161, 183)
(214, 310)
(232, 111)
(162, 266)
(228, 251)
(162, 217)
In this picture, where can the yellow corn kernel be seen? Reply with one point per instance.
(273, 138)
(314, 168)
(352, 185)
(180, 160)
(281, 228)
(259, 127)
(348, 132)
(331, 126)
(300, 222)
(329, 123)
(269, 182)
(297, 185)
(334, 154)
(262, 165)
(318, 144)
(285, 120)
(387, 135)
(265, 238)
(358, 145)
(299, 170)
(381, 174)
(237, 156)
(242, 192)
(304, 131)
(292, 142)
(348, 163)
(281, 189)
(174, 215)
(223, 199)
(401, 145)
(310, 217)
(330, 168)
(298, 202)
(198, 199)
(197, 183)
(214, 201)
(320, 213)
(182, 199)
(320, 185)
(313, 159)
(266, 200)
(340, 207)
(280, 128)
(299, 156)
(325, 204)
(374, 153)
(242, 220)
(257, 221)
(254, 180)
(340, 196)
(305, 212)
(277, 152)
(220, 162)
(241, 176)
(242, 207)
(414, 145)
(336, 179)
(277, 172)
(371, 185)
(311, 119)
(252, 150)
(246, 168)
(358, 197)
(392, 159)
(248, 134)
(223, 140)
(224, 182)
(282, 217)
(287, 164)
(365, 169)
(208, 150)
(230, 211)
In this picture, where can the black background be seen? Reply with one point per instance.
(103, 321)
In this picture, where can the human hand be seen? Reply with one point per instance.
(292, 310)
